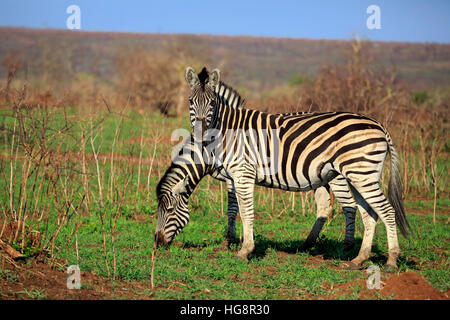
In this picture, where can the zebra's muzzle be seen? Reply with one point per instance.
(160, 239)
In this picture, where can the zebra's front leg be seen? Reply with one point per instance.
(244, 187)
(232, 211)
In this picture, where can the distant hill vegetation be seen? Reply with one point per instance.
(250, 63)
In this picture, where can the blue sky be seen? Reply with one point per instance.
(412, 20)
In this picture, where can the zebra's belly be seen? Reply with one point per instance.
(288, 182)
(302, 184)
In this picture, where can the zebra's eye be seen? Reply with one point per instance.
(170, 209)
(191, 102)
(213, 104)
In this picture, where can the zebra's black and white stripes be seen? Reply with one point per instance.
(187, 169)
(312, 150)
(174, 189)
(229, 96)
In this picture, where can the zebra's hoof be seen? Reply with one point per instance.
(348, 246)
(230, 241)
(354, 266)
(306, 246)
(242, 257)
(390, 268)
(225, 245)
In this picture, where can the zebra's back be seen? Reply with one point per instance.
(304, 151)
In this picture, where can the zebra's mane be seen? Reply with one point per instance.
(183, 166)
(165, 181)
(229, 96)
(171, 177)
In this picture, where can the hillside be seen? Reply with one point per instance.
(254, 63)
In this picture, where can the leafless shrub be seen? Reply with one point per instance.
(420, 131)
(41, 174)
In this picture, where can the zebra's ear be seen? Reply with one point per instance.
(191, 77)
(214, 78)
(180, 187)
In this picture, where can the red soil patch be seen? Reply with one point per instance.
(428, 212)
(33, 278)
(37, 280)
(412, 286)
(405, 286)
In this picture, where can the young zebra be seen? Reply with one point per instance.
(306, 152)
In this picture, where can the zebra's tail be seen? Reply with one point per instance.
(395, 190)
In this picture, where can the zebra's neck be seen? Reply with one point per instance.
(172, 177)
(228, 99)
(189, 166)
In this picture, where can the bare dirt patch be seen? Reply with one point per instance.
(404, 286)
(412, 286)
(429, 212)
(34, 279)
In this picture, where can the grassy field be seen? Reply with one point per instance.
(198, 266)
(89, 191)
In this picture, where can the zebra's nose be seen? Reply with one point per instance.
(160, 239)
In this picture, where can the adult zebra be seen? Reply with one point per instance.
(322, 195)
(228, 96)
(313, 149)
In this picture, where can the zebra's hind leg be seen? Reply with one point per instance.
(345, 198)
(373, 201)
(370, 222)
(323, 203)
(343, 195)
(349, 240)
(232, 211)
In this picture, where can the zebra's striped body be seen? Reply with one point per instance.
(181, 178)
(227, 96)
(313, 149)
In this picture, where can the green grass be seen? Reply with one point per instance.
(197, 266)
(424, 204)
(32, 294)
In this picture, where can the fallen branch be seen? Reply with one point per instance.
(13, 253)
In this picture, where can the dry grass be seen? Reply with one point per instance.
(419, 127)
